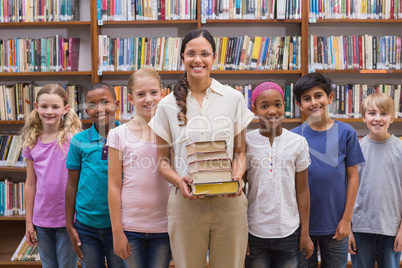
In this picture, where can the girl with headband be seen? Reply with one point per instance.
(278, 193)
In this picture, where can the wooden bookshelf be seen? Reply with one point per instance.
(12, 227)
(45, 23)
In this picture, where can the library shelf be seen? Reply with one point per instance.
(13, 218)
(63, 73)
(237, 72)
(354, 71)
(45, 23)
(256, 72)
(148, 22)
(13, 169)
(12, 122)
(232, 21)
(357, 21)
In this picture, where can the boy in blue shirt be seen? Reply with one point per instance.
(333, 175)
(86, 191)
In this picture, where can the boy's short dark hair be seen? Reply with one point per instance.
(309, 81)
(101, 85)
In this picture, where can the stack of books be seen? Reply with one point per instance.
(210, 169)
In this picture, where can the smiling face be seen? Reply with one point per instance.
(270, 108)
(101, 106)
(314, 103)
(146, 96)
(51, 108)
(198, 58)
(377, 122)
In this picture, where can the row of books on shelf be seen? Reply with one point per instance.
(38, 10)
(50, 54)
(126, 54)
(17, 100)
(233, 53)
(11, 197)
(349, 97)
(129, 10)
(355, 9)
(25, 252)
(355, 52)
(251, 9)
(11, 151)
(258, 53)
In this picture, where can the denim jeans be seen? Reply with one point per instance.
(273, 252)
(148, 250)
(334, 253)
(375, 247)
(55, 248)
(95, 245)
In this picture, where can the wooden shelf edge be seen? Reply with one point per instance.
(213, 72)
(358, 21)
(254, 21)
(13, 169)
(13, 218)
(149, 22)
(45, 23)
(353, 71)
(65, 73)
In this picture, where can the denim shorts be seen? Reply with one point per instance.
(273, 252)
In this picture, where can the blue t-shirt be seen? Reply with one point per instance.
(331, 152)
(85, 154)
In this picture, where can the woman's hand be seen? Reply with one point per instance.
(183, 185)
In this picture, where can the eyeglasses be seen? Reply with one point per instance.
(203, 55)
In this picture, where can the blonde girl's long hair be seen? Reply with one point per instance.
(33, 127)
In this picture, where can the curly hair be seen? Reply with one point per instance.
(33, 127)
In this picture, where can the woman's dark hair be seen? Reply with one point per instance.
(180, 90)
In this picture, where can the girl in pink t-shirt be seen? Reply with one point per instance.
(47, 134)
(138, 203)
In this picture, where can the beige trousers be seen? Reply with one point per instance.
(215, 223)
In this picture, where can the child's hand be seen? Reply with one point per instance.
(248, 250)
(343, 230)
(398, 242)
(306, 246)
(352, 248)
(75, 240)
(121, 246)
(184, 188)
(30, 235)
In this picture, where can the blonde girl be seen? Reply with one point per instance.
(47, 133)
(138, 203)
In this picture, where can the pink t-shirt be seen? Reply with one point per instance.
(144, 193)
(49, 162)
